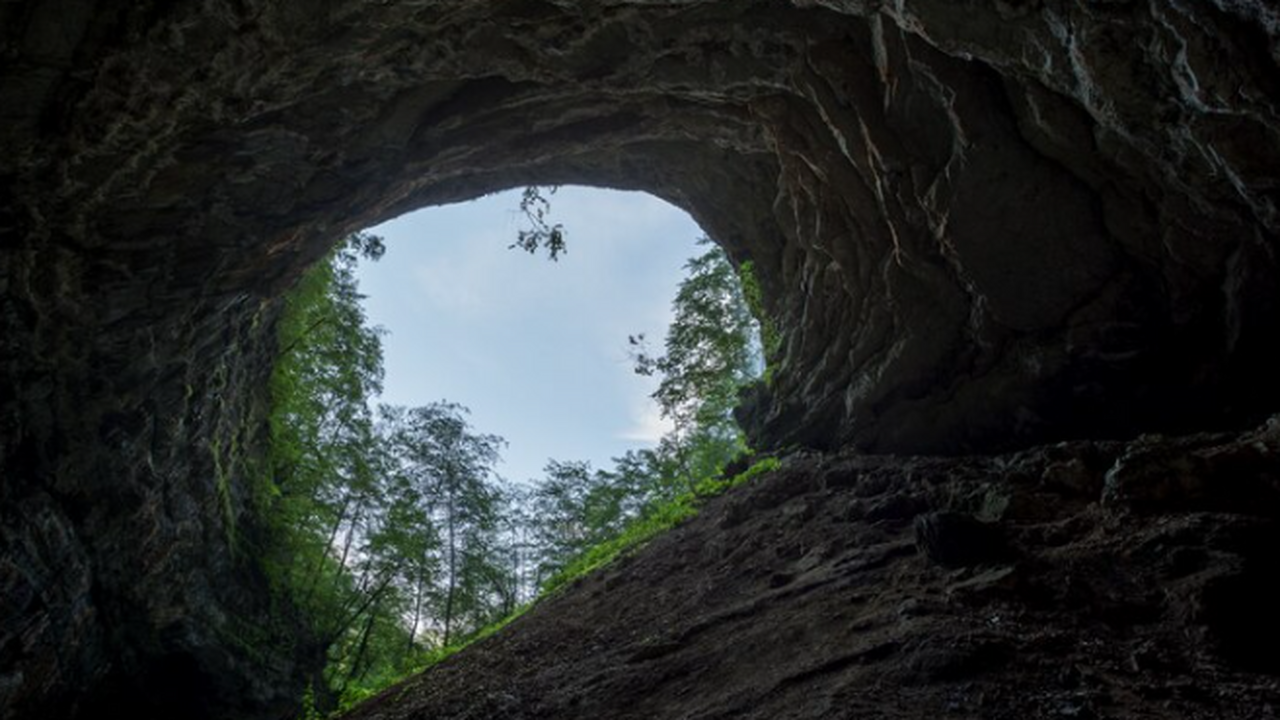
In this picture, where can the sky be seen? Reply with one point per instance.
(536, 349)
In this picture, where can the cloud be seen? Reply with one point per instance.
(475, 273)
(648, 425)
(446, 288)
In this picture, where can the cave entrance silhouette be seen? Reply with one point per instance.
(975, 226)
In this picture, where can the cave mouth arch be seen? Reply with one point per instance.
(976, 227)
(962, 251)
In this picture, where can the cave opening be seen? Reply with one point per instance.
(537, 349)
(459, 428)
(978, 227)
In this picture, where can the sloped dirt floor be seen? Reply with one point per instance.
(1082, 580)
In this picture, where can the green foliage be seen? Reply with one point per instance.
(445, 471)
(753, 296)
(329, 367)
(576, 508)
(711, 351)
(655, 520)
(716, 486)
(659, 519)
(391, 532)
(387, 532)
(541, 232)
(326, 463)
(325, 455)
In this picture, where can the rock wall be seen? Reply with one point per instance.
(1050, 583)
(977, 225)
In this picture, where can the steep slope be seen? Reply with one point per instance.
(1086, 580)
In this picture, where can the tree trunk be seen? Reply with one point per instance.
(314, 579)
(453, 569)
(417, 612)
(354, 672)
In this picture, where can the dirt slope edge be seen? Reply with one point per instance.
(1083, 580)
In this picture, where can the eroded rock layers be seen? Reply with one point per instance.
(1055, 582)
(976, 224)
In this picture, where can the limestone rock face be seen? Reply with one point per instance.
(853, 586)
(977, 225)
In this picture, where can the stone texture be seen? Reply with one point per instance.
(955, 539)
(977, 225)
(1085, 610)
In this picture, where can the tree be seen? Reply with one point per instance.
(711, 351)
(323, 458)
(541, 232)
(388, 536)
(326, 489)
(450, 468)
(567, 513)
(519, 548)
(396, 539)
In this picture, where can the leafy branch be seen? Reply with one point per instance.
(541, 233)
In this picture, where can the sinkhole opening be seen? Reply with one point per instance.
(461, 427)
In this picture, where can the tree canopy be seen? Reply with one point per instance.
(710, 353)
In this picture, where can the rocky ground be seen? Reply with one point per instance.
(1082, 580)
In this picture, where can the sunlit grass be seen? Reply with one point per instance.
(656, 520)
(650, 524)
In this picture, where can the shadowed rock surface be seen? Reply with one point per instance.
(805, 595)
(977, 225)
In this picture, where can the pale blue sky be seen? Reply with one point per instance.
(536, 349)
